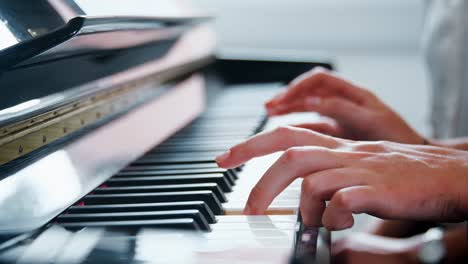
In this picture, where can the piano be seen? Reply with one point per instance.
(111, 115)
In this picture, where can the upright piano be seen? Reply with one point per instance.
(111, 114)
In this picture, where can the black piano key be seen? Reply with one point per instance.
(201, 206)
(183, 223)
(213, 120)
(192, 147)
(206, 196)
(136, 216)
(213, 187)
(229, 175)
(205, 154)
(220, 140)
(180, 157)
(189, 148)
(220, 127)
(219, 179)
(211, 135)
(182, 166)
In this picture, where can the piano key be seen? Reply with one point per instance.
(230, 175)
(214, 142)
(189, 148)
(200, 206)
(217, 178)
(182, 157)
(206, 196)
(286, 202)
(183, 223)
(182, 166)
(132, 216)
(213, 187)
(222, 125)
(257, 218)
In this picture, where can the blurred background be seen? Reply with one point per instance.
(373, 43)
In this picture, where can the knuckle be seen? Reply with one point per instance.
(308, 185)
(342, 200)
(283, 130)
(320, 72)
(312, 188)
(377, 146)
(292, 154)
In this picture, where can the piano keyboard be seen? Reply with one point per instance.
(178, 184)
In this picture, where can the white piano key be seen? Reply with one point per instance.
(286, 202)
(257, 219)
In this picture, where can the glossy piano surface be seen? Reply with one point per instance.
(42, 30)
(75, 47)
(152, 164)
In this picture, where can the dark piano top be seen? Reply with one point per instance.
(51, 47)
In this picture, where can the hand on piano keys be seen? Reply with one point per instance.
(178, 184)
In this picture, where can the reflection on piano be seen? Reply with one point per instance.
(109, 126)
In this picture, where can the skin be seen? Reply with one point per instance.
(369, 248)
(356, 177)
(351, 112)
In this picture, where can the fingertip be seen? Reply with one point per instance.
(251, 210)
(269, 104)
(247, 210)
(222, 160)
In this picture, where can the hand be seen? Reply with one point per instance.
(358, 113)
(384, 179)
(367, 248)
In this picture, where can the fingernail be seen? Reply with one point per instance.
(223, 157)
(313, 101)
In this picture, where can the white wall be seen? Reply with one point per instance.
(373, 42)
(318, 24)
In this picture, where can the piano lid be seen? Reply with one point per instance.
(34, 31)
(51, 48)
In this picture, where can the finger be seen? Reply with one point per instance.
(322, 82)
(327, 128)
(340, 109)
(293, 163)
(268, 142)
(292, 86)
(357, 199)
(320, 187)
